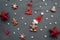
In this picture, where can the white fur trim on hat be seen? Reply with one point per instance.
(36, 22)
(42, 13)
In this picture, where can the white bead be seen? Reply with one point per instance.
(18, 28)
(52, 16)
(25, 23)
(6, 4)
(13, 32)
(8, 23)
(41, 29)
(56, 3)
(46, 18)
(20, 0)
(43, 0)
(15, 13)
(22, 17)
(46, 4)
(45, 26)
(50, 23)
(55, 22)
(32, 36)
(45, 36)
(35, 11)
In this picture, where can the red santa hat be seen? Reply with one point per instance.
(38, 18)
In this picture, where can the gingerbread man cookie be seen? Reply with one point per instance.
(33, 27)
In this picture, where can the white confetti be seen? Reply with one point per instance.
(32, 36)
(56, 3)
(47, 11)
(41, 29)
(20, 0)
(45, 26)
(35, 11)
(14, 13)
(14, 33)
(45, 36)
(8, 23)
(25, 23)
(55, 22)
(18, 28)
(46, 4)
(50, 23)
(46, 18)
(40, 6)
(6, 4)
(22, 18)
(43, 0)
(52, 16)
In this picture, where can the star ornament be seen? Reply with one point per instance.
(4, 15)
(54, 32)
(22, 36)
(14, 6)
(14, 21)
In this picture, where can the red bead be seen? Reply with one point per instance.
(29, 3)
(6, 32)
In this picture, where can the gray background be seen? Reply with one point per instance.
(39, 35)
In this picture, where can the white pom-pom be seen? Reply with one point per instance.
(42, 13)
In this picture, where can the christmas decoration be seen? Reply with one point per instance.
(35, 31)
(33, 27)
(14, 6)
(28, 11)
(54, 32)
(29, 3)
(14, 21)
(4, 15)
(38, 18)
(6, 32)
(22, 36)
(53, 9)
